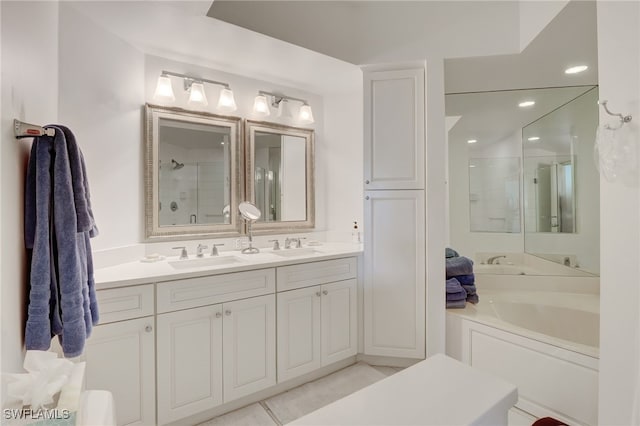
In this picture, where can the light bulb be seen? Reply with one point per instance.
(226, 101)
(197, 96)
(261, 106)
(306, 115)
(164, 91)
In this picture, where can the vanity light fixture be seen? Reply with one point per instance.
(261, 106)
(575, 70)
(164, 91)
(526, 104)
(472, 141)
(197, 95)
(281, 102)
(195, 87)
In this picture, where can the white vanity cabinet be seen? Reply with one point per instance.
(394, 131)
(317, 323)
(120, 354)
(210, 355)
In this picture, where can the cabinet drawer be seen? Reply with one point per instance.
(125, 303)
(202, 291)
(308, 274)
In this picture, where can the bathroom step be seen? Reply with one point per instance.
(436, 391)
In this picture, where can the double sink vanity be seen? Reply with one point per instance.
(197, 337)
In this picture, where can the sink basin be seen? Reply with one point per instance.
(295, 252)
(203, 262)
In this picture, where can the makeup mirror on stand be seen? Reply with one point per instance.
(250, 213)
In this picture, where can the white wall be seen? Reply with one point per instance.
(101, 97)
(534, 16)
(619, 68)
(436, 177)
(343, 168)
(30, 93)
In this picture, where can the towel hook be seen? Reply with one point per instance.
(623, 118)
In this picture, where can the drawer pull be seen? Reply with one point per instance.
(318, 293)
(227, 312)
(148, 328)
(218, 314)
(325, 292)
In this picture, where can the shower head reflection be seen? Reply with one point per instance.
(176, 165)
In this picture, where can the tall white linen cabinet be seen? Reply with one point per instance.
(394, 212)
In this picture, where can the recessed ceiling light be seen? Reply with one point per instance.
(472, 141)
(534, 138)
(576, 69)
(526, 104)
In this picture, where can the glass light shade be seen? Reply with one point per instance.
(226, 101)
(284, 109)
(261, 106)
(164, 91)
(197, 96)
(306, 115)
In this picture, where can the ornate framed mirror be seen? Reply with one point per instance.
(193, 174)
(280, 176)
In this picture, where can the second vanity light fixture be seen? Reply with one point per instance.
(281, 102)
(195, 87)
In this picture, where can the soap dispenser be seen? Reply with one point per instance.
(355, 235)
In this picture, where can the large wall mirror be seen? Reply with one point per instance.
(561, 184)
(498, 150)
(193, 176)
(280, 176)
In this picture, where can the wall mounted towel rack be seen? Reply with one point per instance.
(26, 130)
(623, 118)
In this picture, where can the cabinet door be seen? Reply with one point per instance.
(394, 141)
(339, 321)
(189, 362)
(298, 332)
(249, 345)
(394, 281)
(120, 359)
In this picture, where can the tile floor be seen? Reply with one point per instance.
(295, 403)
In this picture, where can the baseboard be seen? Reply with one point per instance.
(388, 361)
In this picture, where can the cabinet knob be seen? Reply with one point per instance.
(366, 181)
(227, 312)
(318, 293)
(325, 292)
(366, 198)
(218, 314)
(148, 328)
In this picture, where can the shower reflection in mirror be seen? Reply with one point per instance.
(194, 179)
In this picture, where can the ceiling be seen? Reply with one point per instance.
(569, 39)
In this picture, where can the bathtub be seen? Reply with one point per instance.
(545, 342)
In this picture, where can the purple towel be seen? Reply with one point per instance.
(62, 290)
(456, 304)
(458, 266)
(455, 290)
(468, 279)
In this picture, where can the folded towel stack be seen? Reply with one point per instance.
(460, 283)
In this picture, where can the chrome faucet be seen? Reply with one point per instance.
(200, 250)
(183, 253)
(493, 259)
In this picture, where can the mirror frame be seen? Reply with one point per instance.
(309, 135)
(154, 232)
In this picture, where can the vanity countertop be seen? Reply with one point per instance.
(137, 272)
